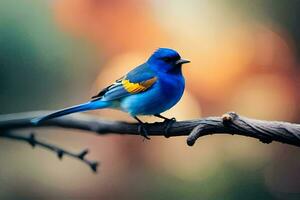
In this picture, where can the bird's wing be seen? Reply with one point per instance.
(138, 80)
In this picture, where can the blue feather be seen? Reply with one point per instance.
(92, 105)
(137, 75)
(140, 74)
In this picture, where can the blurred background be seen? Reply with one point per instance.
(245, 58)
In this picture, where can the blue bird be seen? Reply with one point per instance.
(149, 89)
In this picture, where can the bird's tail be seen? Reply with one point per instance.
(92, 105)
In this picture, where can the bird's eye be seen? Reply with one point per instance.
(167, 59)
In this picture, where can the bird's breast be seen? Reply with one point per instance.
(171, 87)
(163, 95)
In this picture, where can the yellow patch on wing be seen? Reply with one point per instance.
(138, 87)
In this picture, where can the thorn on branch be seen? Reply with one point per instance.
(31, 140)
(60, 154)
(94, 166)
(83, 154)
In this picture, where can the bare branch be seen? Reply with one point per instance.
(31, 139)
(229, 123)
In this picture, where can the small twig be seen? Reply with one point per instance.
(31, 139)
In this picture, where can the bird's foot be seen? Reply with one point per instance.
(168, 124)
(143, 131)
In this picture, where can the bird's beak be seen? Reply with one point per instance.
(182, 61)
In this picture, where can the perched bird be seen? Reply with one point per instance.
(149, 89)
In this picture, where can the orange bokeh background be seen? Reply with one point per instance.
(241, 62)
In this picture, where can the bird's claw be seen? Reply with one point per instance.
(143, 131)
(168, 124)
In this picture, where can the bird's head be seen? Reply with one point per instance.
(166, 60)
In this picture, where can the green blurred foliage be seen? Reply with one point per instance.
(36, 58)
(228, 183)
